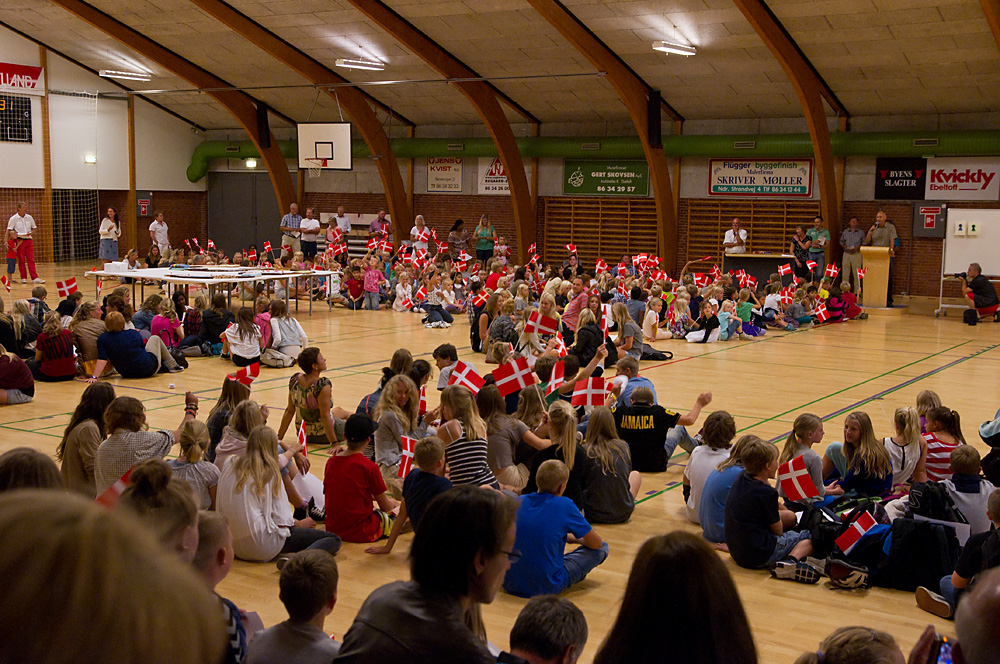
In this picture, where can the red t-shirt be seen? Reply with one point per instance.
(350, 484)
(355, 287)
(491, 281)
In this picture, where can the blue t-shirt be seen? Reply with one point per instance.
(751, 510)
(625, 398)
(126, 350)
(543, 521)
(712, 508)
(419, 489)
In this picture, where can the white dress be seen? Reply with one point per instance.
(260, 523)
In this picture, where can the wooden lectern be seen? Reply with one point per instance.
(876, 282)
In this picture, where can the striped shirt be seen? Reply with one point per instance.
(938, 458)
(467, 462)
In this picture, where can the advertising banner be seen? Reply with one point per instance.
(900, 178)
(444, 175)
(582, 177)
(963, 179)
(761, 178)
(492, 177)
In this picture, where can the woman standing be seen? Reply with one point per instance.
(310, 400)
(485, 239)
(83, 435)
(110, 231)
(419, 234)
(458, 240)
(800, 249)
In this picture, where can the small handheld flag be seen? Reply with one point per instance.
(571, 248)
(558, 378)
(466, 376)
(795, 481)
(832, 271)
(514, 376)
(591, 392)
(66, 287)
(855, 532)
(785, 269)
(246, 375)
(406, 461)
(110, 497)
(303, 438)
(812, 265)
(821, 313)
(541, 324)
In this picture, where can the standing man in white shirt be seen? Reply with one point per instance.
(158, 235)
(735, 241)
(310, 234)
(289, 227)
(24, 225)
(343, 222)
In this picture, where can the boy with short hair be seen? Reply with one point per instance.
(351, 483)
(445, 358)
(754, 526)
(546, 522)
(717, 434)
(967, 489)
(212, 562)
(549, 629)
(421, 486)
(37, 303)
(355, 288)
(980, 553)
(628, 367)
(308, 589)
(644, 427)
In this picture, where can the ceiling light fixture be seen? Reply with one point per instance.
(353, 63)
(676, 49)
(250, 163)
(127, 75)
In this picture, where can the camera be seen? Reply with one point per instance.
(960, 275)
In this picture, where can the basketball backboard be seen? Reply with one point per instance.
(325, 145)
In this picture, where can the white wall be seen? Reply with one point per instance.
(21, 163)
(81, 126)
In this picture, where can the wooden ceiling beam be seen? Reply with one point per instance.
(354, 102)
(634, 93)
(484, 97)
(809, 88)
(242, 106)
(991, 8)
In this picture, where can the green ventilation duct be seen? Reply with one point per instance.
(754, 146)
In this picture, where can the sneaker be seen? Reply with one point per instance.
(176, 369)
(317, 514)
(818, 563)
(224, 356)
(745, 337)
(299, 513)
(795, 570)
(428, 325)
(844, 574)
(931, 602)
(24, 281)
(445, 324)
(37, 280)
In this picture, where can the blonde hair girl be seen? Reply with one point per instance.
(926, 401)
(907, 447)
(807, 430)
(464, 436)
(531, 408)
(866, 462)
(611, 468)
(855, 645)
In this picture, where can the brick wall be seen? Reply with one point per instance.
(186, 214)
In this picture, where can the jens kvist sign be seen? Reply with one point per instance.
(777, 178)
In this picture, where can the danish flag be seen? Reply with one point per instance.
(795, 481)
(541, 324)
(558, 378)
(571, 248)
(442, 247)
(303, 437)
(715, 272)
(465, 256)
(514, 376)
(408, 303)
(605, 321)
(111, 496)
(421, 293)
(786, 298)
(211, 244)
(862, 271)
(659, 275)
(832, 271)
(5, 282)
(246, 375)
(480, 298)
(561, 345)
(188, 243)
(653, 261)
(704, 258)
(406, 461)
(267, 246)
(590, 392)
(821, 313)
(466, 376)
(386, 247)
(372, 244)
(65, 287)
(252, 254)
(462, 266)
(336, 235)
(622, 267)
(339, 248)
(600, 267)
(434, 234)
(422, 236)
(785, 269)
(420, 256)
(812, 265)
(640, 260)
(855, 532)
(701, 279)
(423, 399)
(622, 288)
(751, 281)
(532, 248)
(534, 259)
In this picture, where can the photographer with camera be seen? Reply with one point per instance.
(982, 296)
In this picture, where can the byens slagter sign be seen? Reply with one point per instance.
(780, 178)
(938, 179)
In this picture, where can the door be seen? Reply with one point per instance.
(242, 210)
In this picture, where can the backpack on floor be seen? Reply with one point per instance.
(932, 500)
(918, 553)
(650, 353)
(970, 317)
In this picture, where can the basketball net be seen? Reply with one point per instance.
(316, 167)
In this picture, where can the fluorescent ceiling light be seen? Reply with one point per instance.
(90, 159)
(250, 163)
(127, 75)
(676, 49)
(352, 63)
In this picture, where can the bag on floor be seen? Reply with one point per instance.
(650, 353)
(178, 356)
(271, 357)
(970, 317)
(932, 501)
(919, 553)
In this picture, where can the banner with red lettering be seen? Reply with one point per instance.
(444, 175)
(22, 79)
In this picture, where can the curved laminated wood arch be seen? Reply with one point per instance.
(634, 93)
(353, 101)
(242, 106)
(811, 90)
(486, 100)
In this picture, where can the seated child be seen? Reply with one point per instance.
(755, 527)
(651, 330)
(334, 285)
(420, 487)
(744, 310)
(351, 482)
(212, 562)
(851, 308)
(404, 293)
(712, 505)
(355, 290)
(717, 436)
(308, 589)
(807, 430)
(546, 521)
(706, 328)
(644, 426)
(799, 309)
(967, 489)
(835, 306)
(191, 466)
(980, 553)
(730, 326)
(679, 321)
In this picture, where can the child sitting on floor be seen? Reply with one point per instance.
(420, 487)
(191, 466)
(355, 289)
(712, 505)
(308, 589)
(717, 435)
(755, 527)
(546, 522)
(967, 489)
(680, 322)
(851, 308)
(351, 483)
(807, 430)
(706, 328)
(651, 330)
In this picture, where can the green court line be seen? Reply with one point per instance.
(658, 493)
(851, 387)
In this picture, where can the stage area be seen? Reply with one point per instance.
(873, 365)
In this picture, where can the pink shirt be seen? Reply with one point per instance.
(572, 312)
(372, 279)
(166, 329)
(263, 321)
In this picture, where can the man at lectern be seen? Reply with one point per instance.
(883, 234)
(982, 296)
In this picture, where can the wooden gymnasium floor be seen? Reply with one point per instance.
(875, 365)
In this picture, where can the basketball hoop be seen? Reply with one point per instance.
(316, 166)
